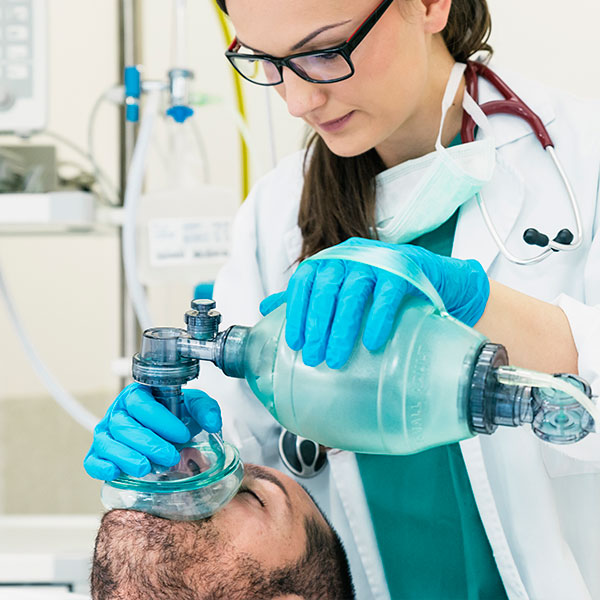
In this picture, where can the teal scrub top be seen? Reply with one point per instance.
(430, 536)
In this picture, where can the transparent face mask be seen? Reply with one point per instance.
(206, 478)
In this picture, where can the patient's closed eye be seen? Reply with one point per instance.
(245, 490)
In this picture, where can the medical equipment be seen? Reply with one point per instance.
(209, 472)
(31, 199)
(44, 555)
(435, 382)
(513, 105)
(204, 481)
(63, 398)
(326, 302)
(23, 58)
(159, 246)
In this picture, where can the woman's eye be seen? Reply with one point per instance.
(326, 57)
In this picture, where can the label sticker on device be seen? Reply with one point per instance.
(188, 241)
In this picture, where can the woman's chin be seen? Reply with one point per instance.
(346, 147)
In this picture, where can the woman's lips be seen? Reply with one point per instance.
(336, 124)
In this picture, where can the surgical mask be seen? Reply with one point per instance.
(419, 195)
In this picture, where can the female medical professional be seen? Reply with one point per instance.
(383, 85)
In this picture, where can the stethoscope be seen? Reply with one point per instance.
(513, 105)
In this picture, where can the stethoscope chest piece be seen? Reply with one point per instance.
(302, 457)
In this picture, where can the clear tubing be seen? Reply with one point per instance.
(518, 377)
(102, 176)
(106, 185)
(244, 132)
(65, 400)
(271, 127)
(135, 179)
(202, 151)
(179, 34)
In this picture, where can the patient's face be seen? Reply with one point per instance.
(270, 541)
(267, 517)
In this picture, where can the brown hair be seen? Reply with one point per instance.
(338, 197)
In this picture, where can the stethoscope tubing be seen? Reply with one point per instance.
(513, 105)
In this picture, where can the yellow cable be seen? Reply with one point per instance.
(239, 95)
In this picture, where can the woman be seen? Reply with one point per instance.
(499, 516)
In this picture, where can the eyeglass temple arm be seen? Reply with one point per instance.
(361, 31)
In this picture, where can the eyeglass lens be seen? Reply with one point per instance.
(318, 67)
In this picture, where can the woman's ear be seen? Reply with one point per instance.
(436, 14)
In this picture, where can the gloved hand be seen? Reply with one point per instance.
(326, 300)
(137, 429)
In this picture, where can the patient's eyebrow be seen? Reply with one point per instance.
(258, 473)
(271, 479)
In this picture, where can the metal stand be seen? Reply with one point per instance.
(130, 44)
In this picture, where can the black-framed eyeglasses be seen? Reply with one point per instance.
(321, 66)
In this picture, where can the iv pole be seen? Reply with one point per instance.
(130, 44)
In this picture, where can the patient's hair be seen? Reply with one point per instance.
(139, 556)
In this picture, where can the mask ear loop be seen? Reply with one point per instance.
(451, 88)
(472, 108)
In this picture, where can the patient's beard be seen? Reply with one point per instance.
(139, 556)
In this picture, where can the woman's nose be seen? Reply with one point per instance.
(302, 97)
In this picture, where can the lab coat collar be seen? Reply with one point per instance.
(504, 199)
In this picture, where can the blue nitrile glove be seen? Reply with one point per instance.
(136, 428)
(326, 300)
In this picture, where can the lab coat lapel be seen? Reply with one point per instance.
(292, 242)
(504, 197)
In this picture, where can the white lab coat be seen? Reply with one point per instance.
(540, 504)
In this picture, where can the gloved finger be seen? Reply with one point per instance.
(389, 293)
(352, 300)
(125, 458)
(98, 468)
(321, 309)
(204, 410)
(144, 408)
(298, 297)
(130, 433)
(270, 303)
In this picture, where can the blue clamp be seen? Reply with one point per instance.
(133, 90)
(180, 113)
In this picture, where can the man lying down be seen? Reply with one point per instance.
(270, 542)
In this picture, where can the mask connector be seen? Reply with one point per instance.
(557, 406)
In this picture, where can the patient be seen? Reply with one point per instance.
(270, 542)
